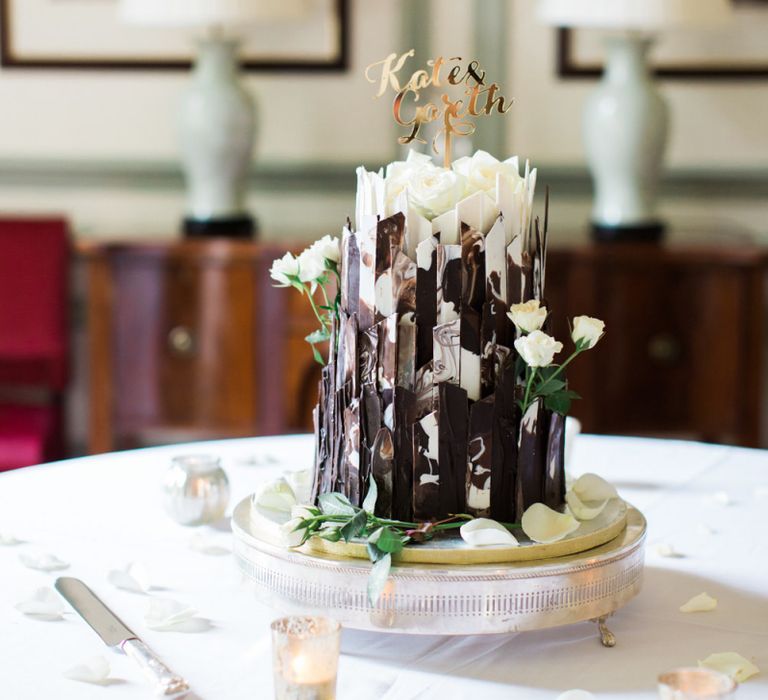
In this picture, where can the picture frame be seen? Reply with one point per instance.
(111, 45)
(741, 50)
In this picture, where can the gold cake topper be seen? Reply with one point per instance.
(479, 99)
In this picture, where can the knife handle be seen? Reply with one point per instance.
(166, 681)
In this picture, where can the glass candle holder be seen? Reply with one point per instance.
(195, 489)
(305, 657)
(695, 684)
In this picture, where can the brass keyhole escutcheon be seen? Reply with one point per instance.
(664, 349)
(181, 341)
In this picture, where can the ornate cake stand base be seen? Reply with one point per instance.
(449, 599)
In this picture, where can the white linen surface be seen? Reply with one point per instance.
(98, 513)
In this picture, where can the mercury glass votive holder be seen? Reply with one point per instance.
(195, 489)
(305, 657)
(695, 684)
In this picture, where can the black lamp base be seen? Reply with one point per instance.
(650, 232)
(242, 227)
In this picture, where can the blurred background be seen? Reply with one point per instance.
(134, 312)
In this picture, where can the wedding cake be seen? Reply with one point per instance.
(440, 384)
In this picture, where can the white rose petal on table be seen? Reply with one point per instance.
(8, 539)
(731, 664)
(133, 577)
(544, 525)
(166, 615)
(206, 544)
(664, 549)
(95, 670)
(483, 532)
(42, 561)
(699, 603)
(44, 604)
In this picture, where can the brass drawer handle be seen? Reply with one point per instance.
(181, 341)
(664, 349)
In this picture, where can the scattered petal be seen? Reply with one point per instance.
(300, 481)
(664, 549)
(44, 604)
(7, 539)
(483, 532)
(95, 670)
(275, 495)
(207, 545)
(699, 603)
(731, 664)
(42, 561)
(576, 695)
(166, 615)
(133, 577)
(584, 510)
(591, 487)
(544, 525)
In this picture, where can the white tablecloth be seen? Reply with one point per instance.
(99, 513)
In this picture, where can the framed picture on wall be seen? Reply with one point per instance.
(88, 34)
(738, 50)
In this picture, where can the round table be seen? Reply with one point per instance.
(710, 503)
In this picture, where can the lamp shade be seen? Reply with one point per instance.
(197, 13)
(633, 14)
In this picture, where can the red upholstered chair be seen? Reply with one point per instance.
(34, 298)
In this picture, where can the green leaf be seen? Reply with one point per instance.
(550, 387)
(369, 504)
(335, 504)
(387, 541)
(318, 357)
(374, 553)
(560, 402)
(377, 579)
(331, 534)
(318, 336)
(355, 526)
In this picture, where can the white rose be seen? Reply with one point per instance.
(482, 168)
(290, 536)
(537, 349)
(327, 248)
(529, 316)
(587, 331)
(311, 266)
(433, 191)
(400, 173)
(275, 495)
(284, 268)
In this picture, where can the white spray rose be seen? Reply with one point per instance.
(481, 170)
(587, 331)
(401, 172)
(538, 349)
(529, 316)
(311, 266)
(283, 268)
(327, 248)
(433, 191)
(290, 536)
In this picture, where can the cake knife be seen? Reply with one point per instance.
(115, 634)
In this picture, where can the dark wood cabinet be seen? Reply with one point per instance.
(190, 340)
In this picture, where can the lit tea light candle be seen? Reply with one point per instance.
(695, 684)
(305, 652)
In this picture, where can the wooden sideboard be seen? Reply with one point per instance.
(189, 340)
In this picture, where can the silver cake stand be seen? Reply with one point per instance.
(446, 599)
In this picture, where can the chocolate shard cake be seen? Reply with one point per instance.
(422, 389)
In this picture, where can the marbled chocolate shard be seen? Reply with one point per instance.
(405, 417)
(426, 298)
(452, 431)
(351, 459)
(350, 273)
(554, 477)
(387, 365)
(382, 466)
(504, 447)
(448, 282)
(515, 273)
(406, 355)
(350, 359)
(389, 241)
(470, 359)
(368, 356)
(317, 424)
(487, 343)
(426, 468)
(537, 264)
(371, 423)
(473, 269)
(447, 352)
(424, 390)
(366, 241)
(496, 262)
(531, 457)
(404, 286)
(479, 454)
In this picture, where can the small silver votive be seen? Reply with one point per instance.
(195, 489)
(695, 684)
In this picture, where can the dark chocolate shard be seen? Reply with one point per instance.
(351, 458)
(387, 365)
(452, 431)
(471, 348)
(350, 273)
(504, 447)
(368, 356)
(382, 467)
(554, 477)
(404, 286)
(426, 298)
(426, 468)
(406, 355)
(389, 241)
(473, 269)
(479, 457)
(405, 417)
(371, 423)
(531, 457)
